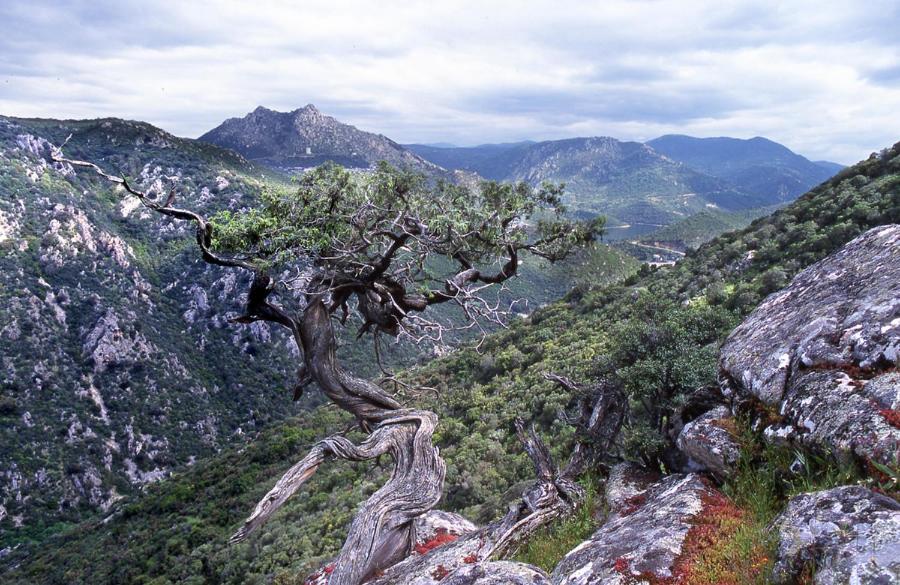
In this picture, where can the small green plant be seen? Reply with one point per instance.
(547, 547)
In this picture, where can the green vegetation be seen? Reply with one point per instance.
(548, 546)
(171, 536)
(701, 227)
(237, 383)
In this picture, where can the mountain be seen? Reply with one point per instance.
(647, 186)
(640, 187)
(833, 168)
(660, 326)
(306, 138)
(491, 161)
(635, 186)
(758, 166)
(701, 227)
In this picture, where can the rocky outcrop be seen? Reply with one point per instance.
(107, 343)
(433, 530)
(709, 442)
(842, 535)
(497, 573)
(823, 352)
(437, 525)
(643, 541)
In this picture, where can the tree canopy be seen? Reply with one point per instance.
(399, 242)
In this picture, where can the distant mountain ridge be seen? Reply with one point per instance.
(306, 138)
(659, 182)
(757, 165)
(639, 186)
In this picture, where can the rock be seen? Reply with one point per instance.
(642, 542)
(710, 442)
(822, 352)
(625, 485)
(847, 534)
(497, 573)
(108, 343)
(433, 530)
(435, 523)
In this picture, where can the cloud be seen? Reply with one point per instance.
(820, 77)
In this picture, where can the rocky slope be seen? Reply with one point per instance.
(110, 335)
(665, 320)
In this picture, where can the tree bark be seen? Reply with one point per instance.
(381, 533)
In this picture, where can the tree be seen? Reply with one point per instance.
(385, 247)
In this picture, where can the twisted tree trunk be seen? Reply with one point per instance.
(382, 531)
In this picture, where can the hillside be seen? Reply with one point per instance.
(111, 349)
(113, 333)
(701, 227)
(655, 336)
(644, 187)
(764, 169)
(306, 138)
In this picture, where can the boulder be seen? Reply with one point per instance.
(433, 530)
(643, 541)
(709, 442)
(847, 534)
(823, 352)
(437, 525)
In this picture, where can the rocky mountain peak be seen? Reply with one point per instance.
(305, 138)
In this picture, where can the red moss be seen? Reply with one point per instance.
(891, 415)
(439, 573)
(632, 504)
(314, 578)
(713, 526)
(471, 559)
(440, 538)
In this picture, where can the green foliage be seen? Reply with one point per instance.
(701, 227)
(682, 312)
(767, 476)
(338, 219)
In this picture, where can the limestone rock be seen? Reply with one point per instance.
(822, 351)
(708, 441)
(642, 542)
(848, 534)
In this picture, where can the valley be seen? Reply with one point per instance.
(620, 332)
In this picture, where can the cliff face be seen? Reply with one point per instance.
(111, 337)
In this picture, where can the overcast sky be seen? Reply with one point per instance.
(821, 77)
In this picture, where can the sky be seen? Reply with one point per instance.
(821, 77)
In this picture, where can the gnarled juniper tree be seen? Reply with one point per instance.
(385, 246)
